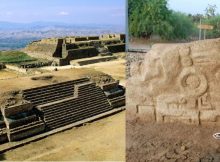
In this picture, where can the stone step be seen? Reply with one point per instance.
(114, 94)
(52, 86)
(52, 92)
(73, 102)
(117, 98)
(85, 95)
(26, 126)
(48, 99)
(53, 124)
(23, 121)
(69, 108)
(70, 121)
(92, 60)
(117, 102)
(80, 97)
(47, 88)
(17, 108)
(75, 115)
(49, 115)
(26, 131)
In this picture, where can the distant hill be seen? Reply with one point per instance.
(42, 25)
(18, 35)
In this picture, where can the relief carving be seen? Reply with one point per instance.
(182, 80)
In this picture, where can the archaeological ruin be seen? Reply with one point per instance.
(46, 103)
(176, 83)
(62, 50)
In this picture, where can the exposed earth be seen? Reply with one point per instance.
(5, 74)
(170, 142)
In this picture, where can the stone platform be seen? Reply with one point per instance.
(55, 107)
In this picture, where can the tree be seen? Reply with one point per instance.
(210, 11)
(182, 24)
(196, 18)
(215, 21)
(147, 17)
(152, 17)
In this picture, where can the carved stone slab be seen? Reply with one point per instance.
(177, 82)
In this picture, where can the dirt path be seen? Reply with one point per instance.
(171, 143)
(100, 140)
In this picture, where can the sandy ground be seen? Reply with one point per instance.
(114, 68)
(100, 140)
(6, 74)
(170, 142)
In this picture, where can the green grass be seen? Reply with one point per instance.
(14, 57)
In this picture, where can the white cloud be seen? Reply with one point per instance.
(63, 13)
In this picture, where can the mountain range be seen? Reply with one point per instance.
(18, 35)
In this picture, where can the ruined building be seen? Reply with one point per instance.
(63, 50)
(177, 82)
(31, 111)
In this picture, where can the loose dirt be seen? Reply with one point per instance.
(114, 68)
(170, 142)
(7, 74)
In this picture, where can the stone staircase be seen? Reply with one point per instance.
(117, 101)
(50, 93)
(92, 60)
(115, 93)
(54, 106)
(88, 100)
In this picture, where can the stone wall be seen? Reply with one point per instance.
(2, 66)
(113, 36)
(45, 48)
(70, 48)
(177, 83)
(81, 53)
(114, 48)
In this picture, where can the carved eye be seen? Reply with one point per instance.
(192, 81)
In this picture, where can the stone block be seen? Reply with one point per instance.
(182, 80)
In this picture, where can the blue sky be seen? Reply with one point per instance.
(68, 11)
(193, 6)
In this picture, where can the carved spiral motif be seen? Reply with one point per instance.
(193, 83)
